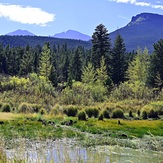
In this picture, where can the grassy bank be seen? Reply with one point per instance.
(37, 126)
(17, 129)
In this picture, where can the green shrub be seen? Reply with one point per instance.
(118, 113)
(56, 109)
(144, 115)
(101, 117)
(95, 112)
(25, 108)
(92, 112)
(130, 114)
(153, 114)
(123, 91)
(1, 105)
(138, 113)
(70, 111)
(6, 108)
(42, 111)
(82, 116)
(158, 106)
(106, 114)
(35, 107)
(89, 112)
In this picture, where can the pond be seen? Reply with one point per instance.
(68, 151)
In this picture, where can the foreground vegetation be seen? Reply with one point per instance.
(17, 129)
(33, 126)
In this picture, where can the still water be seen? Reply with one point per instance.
(67, 151)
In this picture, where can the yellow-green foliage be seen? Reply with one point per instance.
(15, 83)
(56, 109)
(25, 108)
(147, 108)
(6, 107)
(8, 116)
(156, 106)
(43, 111)
(125, 105)
(84, 94)
(33, 89)
(28, 108)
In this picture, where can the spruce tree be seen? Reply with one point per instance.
(101, 45)
(156, 66)
(65, 67)
(27, 62)
(75, 69)
(118, 60)
(1, 58)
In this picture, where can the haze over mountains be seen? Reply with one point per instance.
(20, 32)
(143, 30)
(71, 34)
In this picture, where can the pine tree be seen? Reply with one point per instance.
(75, 69)
(118, 61)
(65, 67)
(26, 65)
(156, 65)
(1, 58)
(53, 76)
(37, 52)
(101, 45)
(45, 65)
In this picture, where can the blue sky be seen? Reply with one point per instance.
(48, 17)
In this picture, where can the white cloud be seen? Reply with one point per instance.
(26, 15)
(157, 6)
(124, 1)
(140, 3)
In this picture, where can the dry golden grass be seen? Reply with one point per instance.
(8, 116)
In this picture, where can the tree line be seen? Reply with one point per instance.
(103, 66)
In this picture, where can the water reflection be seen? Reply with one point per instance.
(67, 151)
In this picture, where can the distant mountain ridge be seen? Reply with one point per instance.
(143, 30)
(71, 34)
(20, 32)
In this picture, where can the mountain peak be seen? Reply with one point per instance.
(144, 17)
(20, 32)
(143, 30)
(72, 34)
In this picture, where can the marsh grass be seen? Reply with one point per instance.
(89, 133)
(137, 128)
(8, 116)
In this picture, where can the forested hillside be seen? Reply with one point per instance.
(78, 75)
(14, 41)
